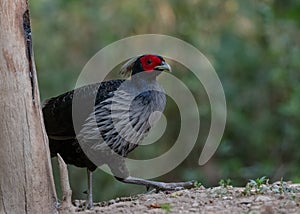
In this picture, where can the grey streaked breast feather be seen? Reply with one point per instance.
(120, 122)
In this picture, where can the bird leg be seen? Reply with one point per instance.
(157, 185)
(121, 173)
(89, 200)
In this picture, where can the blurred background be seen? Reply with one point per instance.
(254, 47)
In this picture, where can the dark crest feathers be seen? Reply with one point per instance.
(126, 69)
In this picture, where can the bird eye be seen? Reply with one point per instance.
(149, 61)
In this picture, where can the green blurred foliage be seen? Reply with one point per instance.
(254, 47)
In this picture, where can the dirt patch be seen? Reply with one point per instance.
(280, 197)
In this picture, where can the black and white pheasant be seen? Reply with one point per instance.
(115, 124)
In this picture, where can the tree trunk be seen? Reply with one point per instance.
(26, 181)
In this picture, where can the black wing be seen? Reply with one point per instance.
(57, 111)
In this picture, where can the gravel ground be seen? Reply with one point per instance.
(279, 197)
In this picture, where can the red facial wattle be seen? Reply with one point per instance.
(149, 62)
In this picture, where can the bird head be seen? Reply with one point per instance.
(149, 64)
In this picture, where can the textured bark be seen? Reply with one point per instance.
(26, 181)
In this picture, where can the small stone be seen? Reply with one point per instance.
(291, 203)
(112, 202)
(246, 201)
(194, 210)
(176, 194)
(227, 198)
(76, 203)
(262, 198)
(121, 204)
(195, 204)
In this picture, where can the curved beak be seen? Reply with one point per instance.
(163, 67)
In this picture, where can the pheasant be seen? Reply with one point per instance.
(116, 124)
